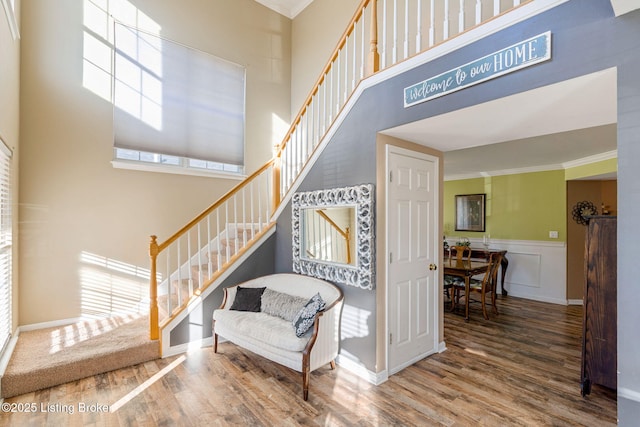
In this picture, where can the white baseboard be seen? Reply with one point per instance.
(574, 302)
(72, 320)
(361, 371)
(442, 347)
(537, 298)
(52, 324)
(629, 394)
(186, 348)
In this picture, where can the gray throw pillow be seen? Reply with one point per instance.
(305, 318)
(281, 305)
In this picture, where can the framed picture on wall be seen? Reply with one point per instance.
(470, 212)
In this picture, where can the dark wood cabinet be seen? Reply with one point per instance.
(599, 335)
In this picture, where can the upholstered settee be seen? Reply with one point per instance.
(290, 319)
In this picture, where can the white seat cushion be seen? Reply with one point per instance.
(271, 330)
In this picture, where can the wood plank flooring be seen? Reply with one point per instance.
(521, 368)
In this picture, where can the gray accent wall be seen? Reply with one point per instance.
(348, 160)
(586, 38)
(197, 324)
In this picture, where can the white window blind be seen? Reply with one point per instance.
(6, 245)
(173, 100)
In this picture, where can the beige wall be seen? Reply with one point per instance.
(72, 202)
(316, 32)
(10, 125)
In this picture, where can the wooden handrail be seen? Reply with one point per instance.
(346, 235)
(326, 69)
(332, 223)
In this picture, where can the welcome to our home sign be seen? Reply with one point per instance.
(520, 55)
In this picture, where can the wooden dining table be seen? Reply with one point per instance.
(465, 269)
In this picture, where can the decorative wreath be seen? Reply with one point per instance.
(583, 209)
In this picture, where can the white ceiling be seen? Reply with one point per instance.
(288, 8)
(540, 129)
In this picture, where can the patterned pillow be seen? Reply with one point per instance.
(281, 305)
(247, 299)
(305, 317)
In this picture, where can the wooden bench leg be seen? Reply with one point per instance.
(306, 373)
(215, 337)
(305, 382)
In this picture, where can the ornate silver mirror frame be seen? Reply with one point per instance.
(361, 272)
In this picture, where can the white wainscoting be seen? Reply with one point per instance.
(537, 269)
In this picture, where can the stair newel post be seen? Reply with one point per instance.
(153, 289)
(374, 57)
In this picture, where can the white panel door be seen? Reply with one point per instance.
(412, 242)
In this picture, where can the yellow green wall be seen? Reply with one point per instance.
(519, 207)
(592, 169)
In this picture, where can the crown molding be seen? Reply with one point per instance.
(608, 155)
(613, 154)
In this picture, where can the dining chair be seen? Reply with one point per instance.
(462, 253)
(485, 285)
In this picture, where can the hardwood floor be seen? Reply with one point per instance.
(519, 368)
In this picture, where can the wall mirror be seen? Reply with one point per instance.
(333, 235)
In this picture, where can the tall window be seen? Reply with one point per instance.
(6, 245)
(176, 106)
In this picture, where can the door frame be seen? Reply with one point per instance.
(437, 311)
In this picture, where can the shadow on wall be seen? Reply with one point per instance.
(109, 287)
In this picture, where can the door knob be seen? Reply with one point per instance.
(433, 267)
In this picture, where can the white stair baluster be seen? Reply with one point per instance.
(363, 57)
(445, 24)
(432, 24)
(218, 248)
(406, 29)
(418, 26)
(394, 48)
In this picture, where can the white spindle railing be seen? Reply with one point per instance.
(191, 259)
(335, 85)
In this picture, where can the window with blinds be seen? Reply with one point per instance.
(176, 106)
(6, 245)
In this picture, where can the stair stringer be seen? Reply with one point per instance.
(196, 303)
